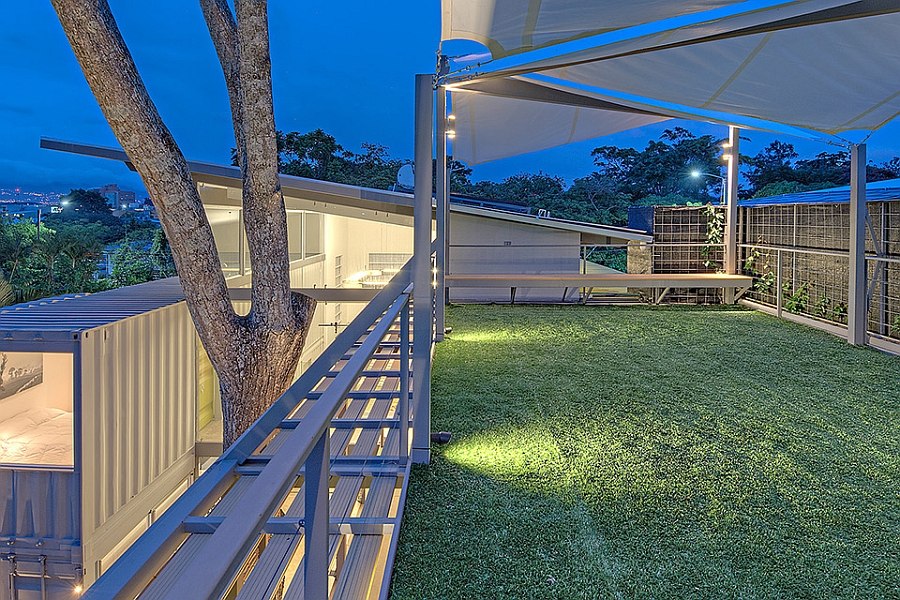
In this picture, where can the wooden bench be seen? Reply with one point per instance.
(665, 281)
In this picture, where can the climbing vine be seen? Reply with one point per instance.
(715, 235)
(798, 300)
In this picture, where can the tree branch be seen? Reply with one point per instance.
(112, 75)
(264, 214)
(223, 31)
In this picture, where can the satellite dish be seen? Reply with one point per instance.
(406, 178)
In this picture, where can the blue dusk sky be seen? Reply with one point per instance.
(346, 67)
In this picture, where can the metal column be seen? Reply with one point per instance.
(731, 210)
(857, 312)
(441, 212)
(315, 520)
(422, 290)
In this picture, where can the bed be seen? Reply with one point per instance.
(38, 436)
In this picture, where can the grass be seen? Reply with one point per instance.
(654, 453)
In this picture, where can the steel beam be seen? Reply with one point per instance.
(422, 291)
(857, 312)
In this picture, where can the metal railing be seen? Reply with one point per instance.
(306, 448)
(821, 291)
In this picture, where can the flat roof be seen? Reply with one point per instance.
(877, 191)
(341, 194)
(66, 317)
(612, 231)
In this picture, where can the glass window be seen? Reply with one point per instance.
(36, 398)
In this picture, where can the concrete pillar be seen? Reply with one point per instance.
(857, 312)
(422, 277)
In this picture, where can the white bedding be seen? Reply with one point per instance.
(37, 436)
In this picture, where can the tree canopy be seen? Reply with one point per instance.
(660, 173)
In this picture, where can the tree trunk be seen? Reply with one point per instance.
(254, 356)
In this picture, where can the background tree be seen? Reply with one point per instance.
(255, 355)
(161, 261)
(7, 296)
(130, 266)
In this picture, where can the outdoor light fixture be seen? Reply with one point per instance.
(451, 133)
(451, 117)
(697, 174)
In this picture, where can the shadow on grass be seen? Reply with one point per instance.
(653, 453)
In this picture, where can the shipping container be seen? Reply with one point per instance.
(98, 430)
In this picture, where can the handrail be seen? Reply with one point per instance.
(142, 561)
(818, 252)
(209, 575)
(798, 250)
(633, 245)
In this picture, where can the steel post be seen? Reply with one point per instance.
(422, 291)
(731, 206)
(857, 312)
(441, 211)
(315, 520)
(779, 293)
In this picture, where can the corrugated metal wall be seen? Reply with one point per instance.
(39, 504)
(138, 420)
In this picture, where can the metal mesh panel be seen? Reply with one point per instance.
(813, 242)
(680, 235)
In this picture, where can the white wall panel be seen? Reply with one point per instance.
(138, 419)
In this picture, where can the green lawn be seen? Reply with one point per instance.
(654, 453)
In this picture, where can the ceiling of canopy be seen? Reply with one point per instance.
(815, 68)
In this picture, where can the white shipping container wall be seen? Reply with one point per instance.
(138, 423)
(484, 246)
(38, 504)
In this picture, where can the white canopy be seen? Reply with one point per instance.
(511, 26)
(816, 68)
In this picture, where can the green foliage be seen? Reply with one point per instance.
(7, 294)
(130, 266)
(776, 170)
(765, 283)
(895, 327)
(750, 263)
(161, 260)
(86, 203)
(820, 307)
(614, 258)
(715, 232)
(64, 258)
(789, 187)
(88, 209)
(797, 300)
(658, 174)
(839, 312)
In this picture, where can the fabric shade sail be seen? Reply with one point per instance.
(509, 27)
(815, 68)
(489, 127)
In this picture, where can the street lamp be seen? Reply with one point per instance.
(697, 174)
